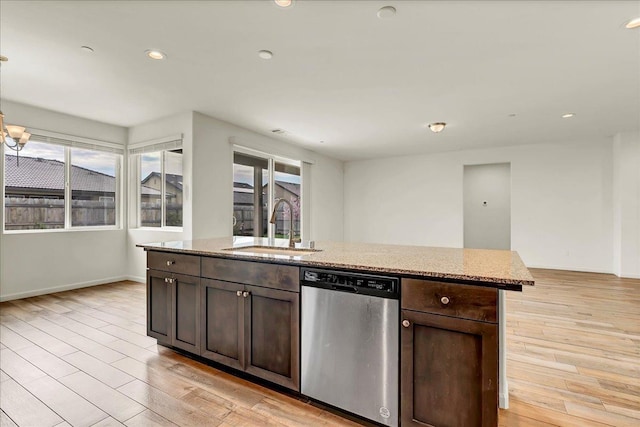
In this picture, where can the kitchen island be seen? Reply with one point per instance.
(236, 301)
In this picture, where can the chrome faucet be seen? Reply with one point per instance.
(292, 243)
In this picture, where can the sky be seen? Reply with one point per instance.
(98, 161)
(244, 174)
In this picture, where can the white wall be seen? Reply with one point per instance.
(626, 205)
(168, 126)
(213, 179)
(208, 162)
(43, 262)
(561, 201)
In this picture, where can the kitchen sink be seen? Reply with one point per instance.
(274, 250)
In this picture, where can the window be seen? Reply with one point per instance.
(259, 182)
(57, 183)
(160, 190)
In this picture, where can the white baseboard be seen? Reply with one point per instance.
(139, 279)
(504, 401)
(581, 270)
(586, 270)
(54, 289)
(629, 276)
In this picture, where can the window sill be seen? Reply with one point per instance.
(62, 230)
(160, 229)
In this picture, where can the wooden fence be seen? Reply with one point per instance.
(41, 213)
(244, 222)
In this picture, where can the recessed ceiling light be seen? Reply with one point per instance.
(386, 12)
(512, 115)
(634, 23)
(283, 3)
(87, 49)
(265, 54)
(437, 127)
(279, 131)
(568, 115)
(155, 54)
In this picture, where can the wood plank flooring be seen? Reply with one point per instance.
(82, 358)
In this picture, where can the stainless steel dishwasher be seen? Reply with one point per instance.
(349, 342)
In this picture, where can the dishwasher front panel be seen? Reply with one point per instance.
(350, 352)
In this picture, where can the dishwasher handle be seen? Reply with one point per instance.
(345, 288)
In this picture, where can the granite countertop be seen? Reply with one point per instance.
(495, 268)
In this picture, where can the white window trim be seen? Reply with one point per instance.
(69, 142)
(135, 150)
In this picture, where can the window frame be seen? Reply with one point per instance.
(136, 151)
(69, 142)
(272, 159)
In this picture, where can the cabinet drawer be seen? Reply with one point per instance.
(464, 301)
(174, 263)
(276, 276)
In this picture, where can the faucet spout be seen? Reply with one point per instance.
(273, 219)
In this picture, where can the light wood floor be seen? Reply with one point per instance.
(81, 358)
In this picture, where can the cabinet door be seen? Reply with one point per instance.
(223, 315)
(449, 371)
(272, 329)
(186, 312)
(159, 307)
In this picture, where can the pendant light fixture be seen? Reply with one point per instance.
(13, 136)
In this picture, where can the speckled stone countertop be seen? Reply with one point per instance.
(499, 269)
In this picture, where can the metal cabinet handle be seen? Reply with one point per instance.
(406, 323)
(239, 293)
(245, 294)
(169, 263)
(168, 280)
(445, 300)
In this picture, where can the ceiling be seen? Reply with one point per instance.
(366, 87)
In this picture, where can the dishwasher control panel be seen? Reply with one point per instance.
(384, 286)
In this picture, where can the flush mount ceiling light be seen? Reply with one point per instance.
(155, 54)
(386, 12)
(265, 54)
(634, 23)
(568, 115)
(437, 127)
(13, 136)
(283, 3)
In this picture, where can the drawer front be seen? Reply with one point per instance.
(276, 276)
(463, 301)
(174, 263)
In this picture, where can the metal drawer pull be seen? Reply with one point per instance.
(444, 300)
(406, 323)
(168, 280)
(170, 263)
(239, 293)
(245, 294)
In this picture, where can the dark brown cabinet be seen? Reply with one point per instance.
(173, 300)
(449, 355)
(173, 309)
(252, 328)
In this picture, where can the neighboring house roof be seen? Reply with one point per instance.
(242, 185)
(47, 174)
(289, 186)
(148, 191)
(175, 180)
(242, 198)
